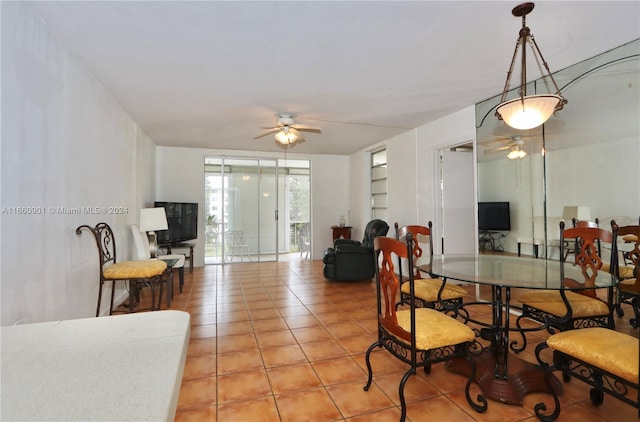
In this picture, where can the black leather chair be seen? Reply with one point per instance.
(350, 260)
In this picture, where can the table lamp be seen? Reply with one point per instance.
(580, 213)
(152, 219)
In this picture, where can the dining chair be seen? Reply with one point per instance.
(628, 288)
(576, 304)
(419, 337)
(426, 289)
(149, 273)
(581, 223)
(143, 252)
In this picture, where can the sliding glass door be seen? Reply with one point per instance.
(241, 210)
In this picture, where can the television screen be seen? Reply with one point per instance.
(494, 216)
(182, 220)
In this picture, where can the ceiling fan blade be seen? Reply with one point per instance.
(310, 130)
(266, 132)
(495, 142)
(490, 151)
(307, 128)
(269, 127)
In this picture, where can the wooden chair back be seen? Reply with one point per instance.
(631, 257)
(388, 283)
(587, 254)
(417, 251)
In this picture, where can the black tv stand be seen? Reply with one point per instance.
(490, 240)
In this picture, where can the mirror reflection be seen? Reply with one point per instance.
(582, 163)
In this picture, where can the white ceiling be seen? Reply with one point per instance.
(209, 74)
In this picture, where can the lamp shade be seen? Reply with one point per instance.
(528, 112)
(580, 213)
(152, 219)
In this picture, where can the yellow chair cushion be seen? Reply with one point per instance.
(551, 302)
(625, 272)
(630, 238)
(427, 289)
(126, 270)
(434, 329)
(607, 349)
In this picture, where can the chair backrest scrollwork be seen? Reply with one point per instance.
(105, 241)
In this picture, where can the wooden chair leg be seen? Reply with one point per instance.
(181, 276)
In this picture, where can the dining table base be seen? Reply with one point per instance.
(521, 378)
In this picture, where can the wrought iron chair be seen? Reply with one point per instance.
(426, 289)
(418, 337)
(629, 274)
(566, 309)
(150, 273)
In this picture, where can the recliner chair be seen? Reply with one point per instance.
(350, 260)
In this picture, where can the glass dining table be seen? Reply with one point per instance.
(502, 375)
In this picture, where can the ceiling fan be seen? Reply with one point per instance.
(287, 130)
(514, 144)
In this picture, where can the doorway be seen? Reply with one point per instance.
(456, 200)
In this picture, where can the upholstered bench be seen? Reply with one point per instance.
(603, 358)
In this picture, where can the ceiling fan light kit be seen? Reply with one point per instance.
(516, 153)
(287, 131)
(528, 111)
(287, 136)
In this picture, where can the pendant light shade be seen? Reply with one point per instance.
(528, 111)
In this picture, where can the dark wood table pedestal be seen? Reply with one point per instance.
(521, 378)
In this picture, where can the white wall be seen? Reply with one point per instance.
(65, 143)
(180, 177)
(411, 174)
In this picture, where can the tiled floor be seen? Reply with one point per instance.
(278, 342)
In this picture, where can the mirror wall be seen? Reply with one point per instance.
(587, 155)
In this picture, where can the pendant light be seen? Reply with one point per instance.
(528, 111)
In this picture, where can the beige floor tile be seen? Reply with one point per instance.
(307, 405)
(284, 355)
(293, 377)
(239, 361)
(259, 409)
(339, 370)
(352, 400)
(243, 386)
(196, 394)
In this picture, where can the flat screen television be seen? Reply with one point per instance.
(494, 216)
(182, 220)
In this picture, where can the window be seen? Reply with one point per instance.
(379, 184)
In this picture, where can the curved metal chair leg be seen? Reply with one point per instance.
(403, 403)
(368, 362)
